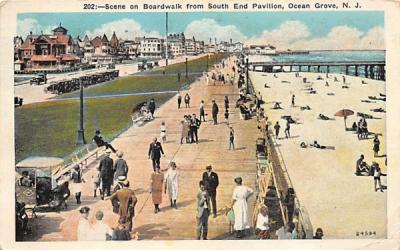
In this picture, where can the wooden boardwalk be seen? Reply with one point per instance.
(191, 159)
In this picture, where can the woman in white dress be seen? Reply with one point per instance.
(239, 202)
(163, 132)
(171, 184)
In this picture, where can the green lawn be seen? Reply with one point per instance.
(50, 128)
(135, 84)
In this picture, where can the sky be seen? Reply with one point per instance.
(294, 30)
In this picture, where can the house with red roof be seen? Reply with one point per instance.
(48, 51)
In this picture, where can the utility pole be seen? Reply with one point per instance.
(81, 131)
(166, 38)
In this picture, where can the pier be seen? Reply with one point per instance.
(368, 69)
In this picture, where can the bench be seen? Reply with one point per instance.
(81, 161)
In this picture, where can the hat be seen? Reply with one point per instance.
(121, 178)
(119, 154)
(84, 210)
(209, 167)
(97, 131)
(108, 151)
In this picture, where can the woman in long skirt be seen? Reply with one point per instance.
(156, 187)
(239, 202)
(171, 184)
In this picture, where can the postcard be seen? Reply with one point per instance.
(196, 123)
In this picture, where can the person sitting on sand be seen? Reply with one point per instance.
(335, 79)
(363, 82)
(323, 117)
(361, 166)
(277, 105)
(326, 84)
(266, 86)
(354, 126)
(319, 78)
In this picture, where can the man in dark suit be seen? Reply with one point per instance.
(214, 111)
(203, 211)
(155, 151)
(106, 174)
(210, 179)
(152, 107)
(194, 126)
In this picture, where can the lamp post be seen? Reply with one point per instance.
(186, 64)
(81, 131)
(207, 62)
(247, 74)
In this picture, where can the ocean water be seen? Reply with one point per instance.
(326, 56)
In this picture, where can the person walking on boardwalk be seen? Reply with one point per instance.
(211, 182)
(231, 138)
(101, 231)
(120, 166)
(171, 184)
(163, 132)
(226, 102)
(152, 107)
(194, 127)
(293, 96)
(287, 129)
(76, 185)
(185, 129)
(239, 203)
(215, 112)
(277, 128)
(179, 100)
(187, 100)
(84, 227)
(156, 188)
(124, 202)
(155, 151)
(203, 212)
(202, 112)
(376, 146)
(106, 174)
(226, 116)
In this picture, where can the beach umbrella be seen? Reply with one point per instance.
(344, 113)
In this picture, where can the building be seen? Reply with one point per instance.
(261, 50)
(190, 46)
(151, 47)
(129, 49)
(235, 47)
(48, 51)
(176, 45)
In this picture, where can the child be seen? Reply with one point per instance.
(231, 218)
(96, 182)
(163, 132)
(226, 115)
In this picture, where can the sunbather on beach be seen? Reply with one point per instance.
(363, 115)
(367, 101)
(378, 110)
(383, 95)
(319, 78)
(335, 79)
(305, 108)
(315, 144)
(288, 118)
(323, 117)
(330, 93)
(345, 87)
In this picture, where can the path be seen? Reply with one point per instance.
(191, 160)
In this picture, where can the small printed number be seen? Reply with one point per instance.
(88, 6)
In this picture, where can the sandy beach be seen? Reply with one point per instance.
(337, 200)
